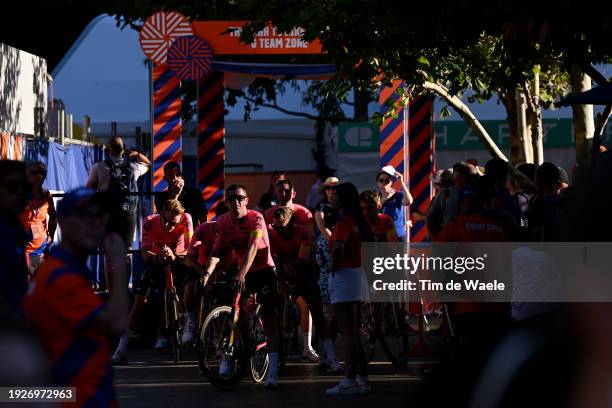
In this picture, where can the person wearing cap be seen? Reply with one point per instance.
(314, 192)
(72, 322)
(393, 202)
(325, 219)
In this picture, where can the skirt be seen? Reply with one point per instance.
(348, 285)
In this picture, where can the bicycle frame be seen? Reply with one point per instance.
(171, 291)
(235, 317)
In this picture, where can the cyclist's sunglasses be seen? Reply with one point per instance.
(234, 197)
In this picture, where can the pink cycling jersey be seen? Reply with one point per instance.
(238, 235)
(154, 237)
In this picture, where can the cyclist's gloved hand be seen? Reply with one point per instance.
(240, 282)
(203, 276)
(167, 254)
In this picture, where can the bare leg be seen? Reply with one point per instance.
(344, 316)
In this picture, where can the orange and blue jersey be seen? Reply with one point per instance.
(34, 220)
(61, 307)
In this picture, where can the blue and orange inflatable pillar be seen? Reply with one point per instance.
(211, 134)
(167, 126)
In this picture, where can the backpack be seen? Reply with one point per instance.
(121, 183)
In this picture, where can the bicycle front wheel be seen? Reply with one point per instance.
(222, 351)
(367, 332)
(391, 333)
(173, 325)
(259, 361)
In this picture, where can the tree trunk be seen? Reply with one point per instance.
(584, 127)
(362, 99)
(320, 152)
(516, 151)
(523, 128)
(535, 120)
(467, 115)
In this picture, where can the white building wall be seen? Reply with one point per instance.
(23, 87)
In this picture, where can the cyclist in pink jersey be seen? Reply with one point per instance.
(245, 232)
(165, 238)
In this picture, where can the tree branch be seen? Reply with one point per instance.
(467, 115)
(594, 74)
(600, 125)
(283, 110)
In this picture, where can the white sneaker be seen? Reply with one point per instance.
(188, 332)
(271, 381)
(225, 369)
(161, 343)
(311, 356)
(344, 387)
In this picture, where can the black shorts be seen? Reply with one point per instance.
(264, 283)
(154, 277)
(306, 286)
(123, 224)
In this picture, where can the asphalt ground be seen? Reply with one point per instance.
(151, 379)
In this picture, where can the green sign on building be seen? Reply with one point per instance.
(457, 135)
(358, 137)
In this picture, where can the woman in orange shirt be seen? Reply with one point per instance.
(347, 285)
(39, 230)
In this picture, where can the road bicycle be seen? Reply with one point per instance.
(214, 294)
(231, 341)
(384, 323)
(173, 313)
(289, 323)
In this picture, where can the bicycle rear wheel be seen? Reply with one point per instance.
(391, 333)
(259, 361)
(215, 350)
(287, 329)
(367, 332)
(173, 324)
